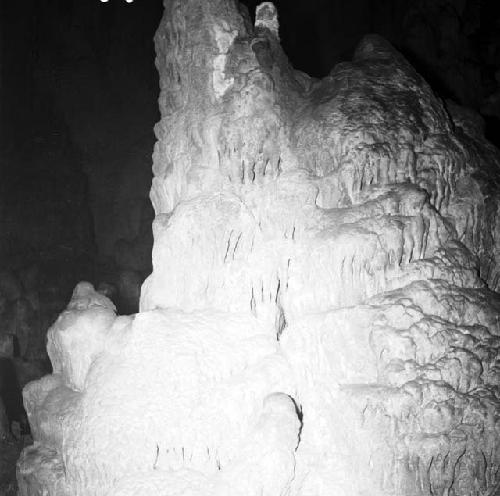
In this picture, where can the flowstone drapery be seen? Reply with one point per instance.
(321, 317)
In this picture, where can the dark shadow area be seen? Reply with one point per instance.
(78, 104)
(10, 392)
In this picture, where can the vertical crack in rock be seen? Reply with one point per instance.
(322, 316)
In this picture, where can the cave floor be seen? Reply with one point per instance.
(9, 453)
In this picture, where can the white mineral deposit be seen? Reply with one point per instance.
(322, 316)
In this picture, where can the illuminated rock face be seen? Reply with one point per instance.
(321, 317)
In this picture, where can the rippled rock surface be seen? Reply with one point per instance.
(322, 316)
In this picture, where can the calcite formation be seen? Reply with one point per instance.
(322, 316)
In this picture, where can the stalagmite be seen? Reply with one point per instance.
(321, 318)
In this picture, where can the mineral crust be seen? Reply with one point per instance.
(322, 316)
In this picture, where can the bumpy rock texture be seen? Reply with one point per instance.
(322, 316)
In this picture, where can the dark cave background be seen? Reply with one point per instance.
(78, 102)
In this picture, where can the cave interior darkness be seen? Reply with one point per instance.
(78, 103)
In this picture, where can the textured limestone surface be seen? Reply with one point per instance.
(322, 316)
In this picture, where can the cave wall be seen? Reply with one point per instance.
(78, 103)
(96, 68)
(451, 42)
